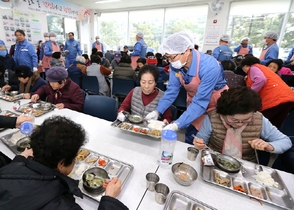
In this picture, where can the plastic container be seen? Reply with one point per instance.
(166, 152)
(26, 128)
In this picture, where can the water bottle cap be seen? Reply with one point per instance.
(169, 135)
(26, 128)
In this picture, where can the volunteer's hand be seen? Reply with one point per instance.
(22, 118)
(121, 117)
(59, 106)
(35, 69)
(172, 127)
(40, 63)
(199, 143)
(113, 188)
(35, 98)
(262, 145)
(152, 115)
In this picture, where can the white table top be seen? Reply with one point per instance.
(142, 152)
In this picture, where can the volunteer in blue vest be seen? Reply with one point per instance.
(24, 52)
(223, 52)
(200, 74)
(244, 48)
(140, 49)
(72, 49)
(271, 49)
(98, 45)
(51, 46)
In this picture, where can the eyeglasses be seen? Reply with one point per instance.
(169, 58)
(235, 121)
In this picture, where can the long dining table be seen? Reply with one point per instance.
(142, 152)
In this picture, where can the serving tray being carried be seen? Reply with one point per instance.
(244, 181)
(139, 128)
(114, 168)
(12, 98)
(179, 200)
(35, 109)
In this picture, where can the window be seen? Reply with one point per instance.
(113, 29)
(191, 19)
(150, 23)
(254, 19)
(55, 24)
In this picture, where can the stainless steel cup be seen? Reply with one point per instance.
(192, 153)
(151, 180)
(161, 193)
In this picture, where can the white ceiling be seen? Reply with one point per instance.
(133, 4)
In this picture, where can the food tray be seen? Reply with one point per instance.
(27, 108)
(141, 128)
(278, 196)
(11, 139)
(114, 168)
(8, 114)
(11, 98)
(178, 200)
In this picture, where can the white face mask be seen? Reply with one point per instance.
(52, 39)
(264, 42)
(177, 64)
(46, 38)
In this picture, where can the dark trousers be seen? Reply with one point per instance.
(276, 115)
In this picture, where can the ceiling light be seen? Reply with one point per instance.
(105, 1)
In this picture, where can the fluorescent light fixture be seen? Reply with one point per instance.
(106, 1)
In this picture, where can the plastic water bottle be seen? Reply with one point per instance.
(166, 152)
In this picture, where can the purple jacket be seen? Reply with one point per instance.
(72, 96)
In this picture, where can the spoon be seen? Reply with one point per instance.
(210, 150)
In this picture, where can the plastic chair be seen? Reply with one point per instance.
(287, 126)
(161, 86)
(121, 87)
(76, 78)
(181, 100)
(90, 85)
(101, 106)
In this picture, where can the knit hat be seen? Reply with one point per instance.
(56, 74)
(117, 56)
(23, 71)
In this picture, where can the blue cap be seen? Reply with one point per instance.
(169, 135)
(26, 128)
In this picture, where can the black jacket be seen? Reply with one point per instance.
(26, 184)
(13, 80)
(8, 62)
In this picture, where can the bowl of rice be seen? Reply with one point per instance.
(156, 125)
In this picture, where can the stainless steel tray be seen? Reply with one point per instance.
(10, 140)
(279, 196)
(114, 168)
(141, 128)
(179, 200)
(8, 114)
(27, 108)
(11, 98)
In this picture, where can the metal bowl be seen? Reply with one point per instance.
(184, 174)
(45, 106)
(96, 173)
(13, 93)
(23, 143)
(227, 163)
(133, 118)
(36, 105)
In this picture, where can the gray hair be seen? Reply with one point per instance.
(81, 59)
